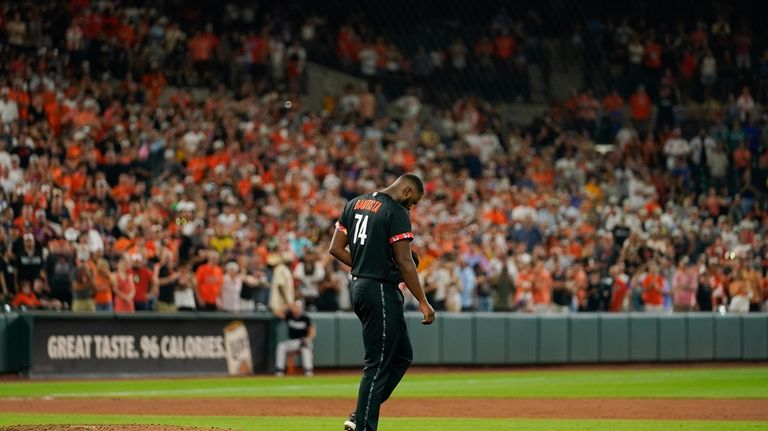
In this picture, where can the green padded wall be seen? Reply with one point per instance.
(643, 337)
(425, 339)
(326, 354)
(522, 339)
(728, 337)
(553, 341)
(700, 336)
(456, 333)
(584, 338)
(349, 349)
(490, 338)
(614, 338)
(754, 336)
(672, 345)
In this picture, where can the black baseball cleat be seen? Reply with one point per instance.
(349, 424)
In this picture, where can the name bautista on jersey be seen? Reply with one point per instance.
(368, 205)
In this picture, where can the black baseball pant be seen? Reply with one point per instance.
(388, 352)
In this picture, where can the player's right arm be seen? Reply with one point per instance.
(339, 241)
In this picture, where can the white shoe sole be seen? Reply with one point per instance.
(349, 426)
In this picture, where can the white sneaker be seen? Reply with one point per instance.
(308, 374)
(279, 374)
(349, 424)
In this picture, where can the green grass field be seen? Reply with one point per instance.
(721, 383)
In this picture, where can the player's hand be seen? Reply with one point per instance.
(428, 311)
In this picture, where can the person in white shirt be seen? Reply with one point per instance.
(309, 273)
(677, 150)
(9, 110)
(745, 104)
(229, 297)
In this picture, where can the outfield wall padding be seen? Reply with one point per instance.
(454, 339)
(728, 338)
(614, 338)
(457, 335)
(753, 329)
(584, 339)
(426, 346)
(522, 342)
(490, 336)
(700, 339)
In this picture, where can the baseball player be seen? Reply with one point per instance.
(373, 237)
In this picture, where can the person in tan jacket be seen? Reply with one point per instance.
(282, 288)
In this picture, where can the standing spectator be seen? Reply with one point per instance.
(702, 147)
(60, 267)
(201, 47)
(685, 284)
(29, 261)
(231, 288)
(468, 279)
(142, 282)
(562, 296)
(125, 289)
(718, 166)
(210, 278)
(542, 287)
(328, 299)
(620, 291)
(102, 282)
(745, 104)
(750, 273)
(309, 273)
(704, 292)
(82, 288)
(708, 73)
(281, 292)
(166, 277)
(640, 105)
(483, 288)
(184, 296)
(737, 289)
(9, 109)
(653, 289)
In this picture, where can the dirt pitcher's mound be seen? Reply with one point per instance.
(103, 428)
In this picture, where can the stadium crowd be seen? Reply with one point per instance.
(120, 191)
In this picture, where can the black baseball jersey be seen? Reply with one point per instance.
(373, 222)
(298, 327)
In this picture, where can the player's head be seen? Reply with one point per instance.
(407, 190)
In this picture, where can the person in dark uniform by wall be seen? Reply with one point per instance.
(301, 332)
(373, 237)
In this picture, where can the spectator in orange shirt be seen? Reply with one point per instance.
(102, 282)
(201, 47)
(742, 158)
(653, 289)
(210, 278)
(640, 104)
(542, 287)
(613, 108)
(25, 298)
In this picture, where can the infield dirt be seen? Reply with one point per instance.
(532, 408)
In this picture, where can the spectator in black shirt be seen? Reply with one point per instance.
(29, 261)
(167, 278)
